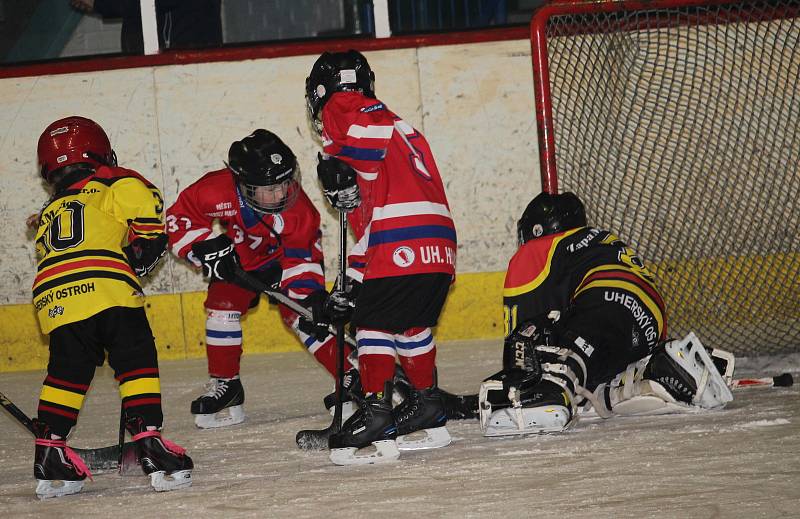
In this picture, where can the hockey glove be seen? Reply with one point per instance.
(143, 254)
(521, 366)
(338, 183)
(341, 303)
(317, 326)
(217, 257)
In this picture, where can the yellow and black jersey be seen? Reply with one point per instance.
(81, 267)
(550, 272)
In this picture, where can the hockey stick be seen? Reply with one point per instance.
(248, 280)
(782, 380)
(340, 338)
(317, 439)
(98, 460)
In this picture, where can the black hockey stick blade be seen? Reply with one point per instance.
(460, 407)
(98, 460)
(315, 439)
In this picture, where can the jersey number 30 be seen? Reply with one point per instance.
(67, 230)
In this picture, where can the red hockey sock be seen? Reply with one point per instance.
(223, 361)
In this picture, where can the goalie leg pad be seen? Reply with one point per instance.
(547, 406)
(685, 369)
(516, 420)
(680, 378)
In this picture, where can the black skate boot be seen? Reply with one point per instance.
(372, 423)
(221, 405)
(422, 410)
(56, 467)
(317, 439)
(167, 464)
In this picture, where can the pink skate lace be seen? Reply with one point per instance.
(80, 467)
(172, 447)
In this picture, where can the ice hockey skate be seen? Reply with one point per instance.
(167, 464)
(221, 405)
(537, 412)
(371, 425)
(422, 412)
(56, 467)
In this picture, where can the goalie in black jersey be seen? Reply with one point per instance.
(586, 329)
(101, 231)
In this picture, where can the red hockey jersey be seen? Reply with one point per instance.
(290, 238)
(403, 225)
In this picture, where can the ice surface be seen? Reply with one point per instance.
(740, 462)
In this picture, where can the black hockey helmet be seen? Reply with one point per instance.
(550, 214)
(265, 168)
(337, 72)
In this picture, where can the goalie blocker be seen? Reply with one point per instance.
(542, 386)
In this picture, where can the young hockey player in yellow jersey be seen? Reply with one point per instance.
(101, 230)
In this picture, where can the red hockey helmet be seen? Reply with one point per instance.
(73, 140)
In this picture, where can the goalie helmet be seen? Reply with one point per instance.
(71, 141)
(337, 72)
(265, 169)
(550, 214)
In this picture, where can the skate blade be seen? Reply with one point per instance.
(434, 439)
(385, 452)
(229, 416)
(46, 488)
(533, 420)
(163, 482)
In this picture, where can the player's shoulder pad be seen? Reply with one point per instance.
(583, 238)
(212, 184)
(302, 214)
(110, 174)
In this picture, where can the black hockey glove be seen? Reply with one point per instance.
(317, 326)
(338, 183)
(521, 365)
(143, 254)
(218, 258)
(341, 303)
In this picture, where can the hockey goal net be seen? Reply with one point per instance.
(677, 123)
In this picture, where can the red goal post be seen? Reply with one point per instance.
(678, 123)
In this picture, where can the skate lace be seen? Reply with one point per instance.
(215, 388)
(411, 409)
(80, 466)
(170, 446)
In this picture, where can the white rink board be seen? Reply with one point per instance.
(473, 102)
(740, 462)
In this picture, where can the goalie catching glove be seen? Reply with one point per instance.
(338, 183)
(217, 257)
(143, 254)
